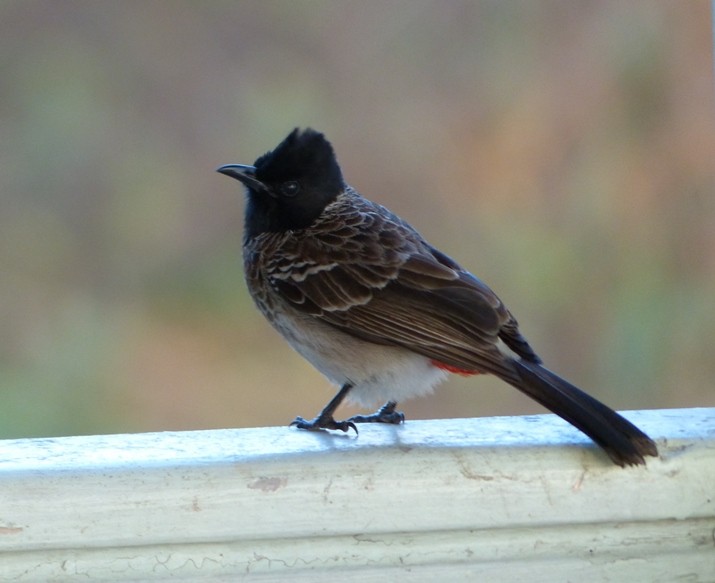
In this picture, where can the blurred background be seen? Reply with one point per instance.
(562, 151)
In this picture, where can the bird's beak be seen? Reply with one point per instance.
(244, 174)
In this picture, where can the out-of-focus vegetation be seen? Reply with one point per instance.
(563, 151)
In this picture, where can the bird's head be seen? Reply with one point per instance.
(289, 187)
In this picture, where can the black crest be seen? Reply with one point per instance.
(301, 177)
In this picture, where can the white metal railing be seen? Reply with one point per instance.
(492, 499)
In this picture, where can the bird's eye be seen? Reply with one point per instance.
(290, 188)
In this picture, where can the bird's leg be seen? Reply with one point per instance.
(325, 419)
(385, 414)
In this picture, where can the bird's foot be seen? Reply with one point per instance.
(385, 414)
(323, 422)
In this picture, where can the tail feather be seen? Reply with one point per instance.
(622, 441)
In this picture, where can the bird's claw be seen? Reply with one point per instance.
(320, 423)
(386, 414)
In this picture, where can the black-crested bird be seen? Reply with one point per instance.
(380, 312)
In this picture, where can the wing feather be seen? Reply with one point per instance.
(371, 275)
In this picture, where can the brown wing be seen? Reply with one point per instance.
(371, 275)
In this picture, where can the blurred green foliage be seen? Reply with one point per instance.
(563, 151)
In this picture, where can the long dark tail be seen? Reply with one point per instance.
(622, 441)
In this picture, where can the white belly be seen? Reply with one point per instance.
(378, 373)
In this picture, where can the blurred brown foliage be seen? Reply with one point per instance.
(563, 151)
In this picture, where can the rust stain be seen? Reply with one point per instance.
(577, 486)
(11, 529)
(266, 484)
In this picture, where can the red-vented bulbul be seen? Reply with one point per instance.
(378, 310)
